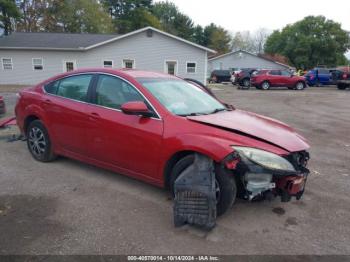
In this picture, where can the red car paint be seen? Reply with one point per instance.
(8, 121)
(141, 147)
(276, 80)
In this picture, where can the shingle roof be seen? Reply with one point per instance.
(77, 42)
(53, 40)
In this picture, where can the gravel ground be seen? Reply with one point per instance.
(67, 207)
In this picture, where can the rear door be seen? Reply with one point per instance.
(275, 77)
(65, 104)
(131, 143)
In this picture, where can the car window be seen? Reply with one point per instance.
(323, 71)
(275, 72)
(74, 87)
(285, 73)
(113, 92)
(52, 87)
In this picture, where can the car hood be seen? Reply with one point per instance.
(259, 127)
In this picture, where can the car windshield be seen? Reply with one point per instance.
(182, 98)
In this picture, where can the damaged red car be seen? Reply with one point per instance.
(150, 125)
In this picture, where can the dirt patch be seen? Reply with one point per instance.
(24, 219)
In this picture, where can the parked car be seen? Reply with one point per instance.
(219, 76)
(264, 79)
(343, 79)
(2, 106)
(242, 77)
(319, 76)
(150, 125)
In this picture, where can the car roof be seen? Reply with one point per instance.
(134, 73)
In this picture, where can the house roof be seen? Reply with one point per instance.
(74, 42)
(52, 40)
(234, 52)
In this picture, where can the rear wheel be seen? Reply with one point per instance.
(265, 85)
(341, 86)
(299, 86)
(246, 83)
(39, 143)
(225, 186)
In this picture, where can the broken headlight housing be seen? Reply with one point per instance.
(264, 158)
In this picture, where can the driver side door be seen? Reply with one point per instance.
(130, 144)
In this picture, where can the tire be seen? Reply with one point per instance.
(38, 142)
(265, 85)
(246, 83)
(226, 185)
(299, 85)
(341, 87)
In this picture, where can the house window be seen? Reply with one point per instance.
(128, 63)
(191, 67)
(69, 66)
(38, 64)
(7, 64)
(107, 63)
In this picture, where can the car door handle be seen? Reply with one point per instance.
(94, 115)
(47, 101)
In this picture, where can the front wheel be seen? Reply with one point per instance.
(38, 142)
(225, 186)
(341, 87)
(299, 86)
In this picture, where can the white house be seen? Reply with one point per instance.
(243, 59)
(28, 58)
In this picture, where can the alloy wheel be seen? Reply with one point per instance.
(300, 86)
(37, 142)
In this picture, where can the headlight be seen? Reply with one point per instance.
(264, 158)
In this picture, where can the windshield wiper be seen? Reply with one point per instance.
(217, 110)
(193, 114)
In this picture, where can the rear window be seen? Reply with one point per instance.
(221, 72)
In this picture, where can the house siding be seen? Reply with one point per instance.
(242, 60)
(149, 53)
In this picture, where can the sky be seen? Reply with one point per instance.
(250, 15)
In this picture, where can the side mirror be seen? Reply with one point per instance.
(136, 108)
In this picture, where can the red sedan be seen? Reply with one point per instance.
(149, 126)
(264, 79)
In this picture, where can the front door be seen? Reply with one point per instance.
(130, 143)
(171, 67)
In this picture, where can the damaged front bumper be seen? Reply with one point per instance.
(256, 181)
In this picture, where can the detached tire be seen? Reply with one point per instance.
(226, 185)
(38, 142)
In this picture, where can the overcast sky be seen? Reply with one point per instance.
(242, 15)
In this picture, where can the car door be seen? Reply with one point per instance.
(286, 78)
(131, 143)
(65, 107)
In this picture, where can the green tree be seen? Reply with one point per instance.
(129, 15)
(310, 42)
(74, 16)
(217, 38)
(173, 21)
(8, 14)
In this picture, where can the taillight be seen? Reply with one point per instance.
(345, 76)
